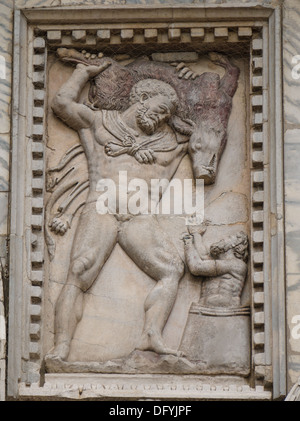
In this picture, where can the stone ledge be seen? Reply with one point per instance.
(145, 362)
(162, 387)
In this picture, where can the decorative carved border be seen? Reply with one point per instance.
(256, 31)
(140, 387)
(257, 211)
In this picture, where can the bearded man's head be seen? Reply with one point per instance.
(157, 102)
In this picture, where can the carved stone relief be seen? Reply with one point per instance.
(141, 303)
(124, 288)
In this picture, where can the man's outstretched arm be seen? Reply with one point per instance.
(65, 104)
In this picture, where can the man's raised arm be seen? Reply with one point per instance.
(65, 104)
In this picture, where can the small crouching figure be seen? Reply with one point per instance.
(223, 267)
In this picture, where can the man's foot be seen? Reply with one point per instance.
(152, 341)
(219, 59)
(59, 352)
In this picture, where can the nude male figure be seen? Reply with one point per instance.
(139, 141)
(223, 267)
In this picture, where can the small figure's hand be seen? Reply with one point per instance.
(187, 239)
(195, 226)
(199, 229)
(92, 70)
(145, 156)
(194, 220)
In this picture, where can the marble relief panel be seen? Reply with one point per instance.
(136, 305)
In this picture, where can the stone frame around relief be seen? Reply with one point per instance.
(35, 32)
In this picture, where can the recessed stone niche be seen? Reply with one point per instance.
(142, 302)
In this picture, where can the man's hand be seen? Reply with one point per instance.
(145, 156)
(183, 71)
(60, 225)
(92, 70)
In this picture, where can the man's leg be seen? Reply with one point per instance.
(93, 243)
(150, 248)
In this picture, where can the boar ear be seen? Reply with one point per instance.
(183, 126)
(92, 95)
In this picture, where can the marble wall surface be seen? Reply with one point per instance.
(291, 102)
(6, 25)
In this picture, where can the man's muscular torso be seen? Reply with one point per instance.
(102, 166)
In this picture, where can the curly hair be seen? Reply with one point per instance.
(238, 242)
(153, 87)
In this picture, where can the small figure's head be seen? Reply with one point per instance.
(238, 244)
(157, 101)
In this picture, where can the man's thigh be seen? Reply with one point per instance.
(95, 237)
(146, 243)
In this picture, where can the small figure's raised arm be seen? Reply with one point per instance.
(196, 265)
(197, 232)
(199, 266)
(65, 104)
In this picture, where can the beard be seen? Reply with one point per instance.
(147, 121)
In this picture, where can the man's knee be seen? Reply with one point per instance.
(176, 269)
(81, 273)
